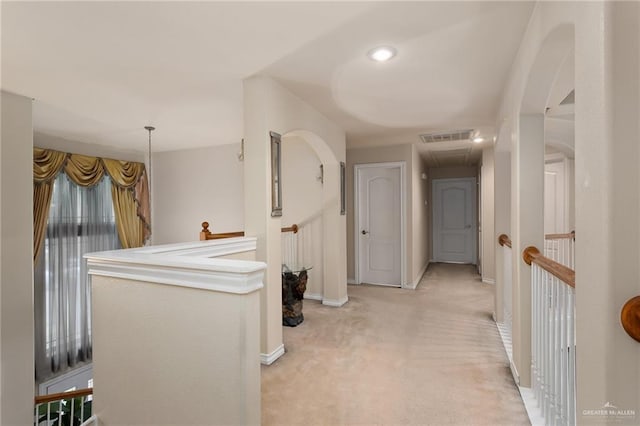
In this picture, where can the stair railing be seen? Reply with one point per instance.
(65, 408)
(507, 292)
(553, 337)
(206, 234)
(561, 248)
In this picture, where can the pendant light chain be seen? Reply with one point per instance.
(149, 129)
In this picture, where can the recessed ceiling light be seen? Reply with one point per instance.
(382, 53)
(478, 139)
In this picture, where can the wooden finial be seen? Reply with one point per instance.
(205, 231)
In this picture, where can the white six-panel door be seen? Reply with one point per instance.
(454, 220)
(379, 224)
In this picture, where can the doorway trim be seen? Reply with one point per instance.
(403, 208)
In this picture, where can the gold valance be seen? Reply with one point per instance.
(47, 164)
(125, 174)
(84, 170)
(129, 187)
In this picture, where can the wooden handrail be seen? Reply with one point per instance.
(630, 317)
(41, 399)
(205, 234)
(571, 234)
(504, 240)
(533, 255)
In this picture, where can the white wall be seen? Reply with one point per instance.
(42, 140)
(169, 357)
(16, 261)
(486, 213)
(193, 186)
(302, 205)
(420, 206)
(605, 37)
(270, 107)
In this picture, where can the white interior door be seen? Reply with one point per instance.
(379, 225)
(554, 198)
(454, 220)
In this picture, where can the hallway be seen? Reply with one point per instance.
(394, 356)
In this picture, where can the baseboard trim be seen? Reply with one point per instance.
(531, 405)
(335, 303)
(313, 296)
(415, 283)
(514, 373)
(352, 281)
(488, 281)
(268, 359)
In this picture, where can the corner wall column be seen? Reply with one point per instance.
(527, 219)
(607, 208)
(334, 243)
(257, 214)
(502, 222)
(487, 215)
(16, 261)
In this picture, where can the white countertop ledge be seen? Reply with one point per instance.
(190, 264)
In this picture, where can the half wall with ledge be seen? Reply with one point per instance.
(176, 333)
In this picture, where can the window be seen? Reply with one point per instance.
(81, 220)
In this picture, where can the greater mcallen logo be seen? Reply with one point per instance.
(610, 410)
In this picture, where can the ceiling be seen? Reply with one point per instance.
(100, 71)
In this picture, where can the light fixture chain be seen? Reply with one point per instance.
(149, 179)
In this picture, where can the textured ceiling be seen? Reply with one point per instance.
(100, 71)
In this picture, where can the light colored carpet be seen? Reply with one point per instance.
(432, 356)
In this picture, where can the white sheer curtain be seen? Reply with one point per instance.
(81, 220)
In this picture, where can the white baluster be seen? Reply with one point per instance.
(553, 344)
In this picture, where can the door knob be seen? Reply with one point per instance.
(364, 232)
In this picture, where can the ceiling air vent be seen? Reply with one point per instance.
(456, 135)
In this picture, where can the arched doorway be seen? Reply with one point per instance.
(319, 220)
(527, 181)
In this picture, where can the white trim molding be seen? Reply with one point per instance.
(488, 280)
(184, 265)
(514, 372)
(313, 296)
(268, 359)
(352, 281)
(335, 303)
(210, 248)
(92, 421)
(531, 405)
